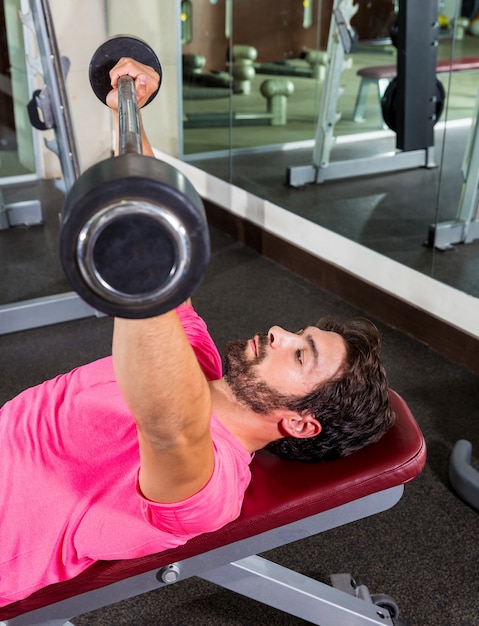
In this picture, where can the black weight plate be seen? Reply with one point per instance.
(388, 105)
(137, 178)
(135, 255)
(389, 99)
(440, 99)
(110, 52)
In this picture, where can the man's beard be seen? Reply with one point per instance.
(242, 380)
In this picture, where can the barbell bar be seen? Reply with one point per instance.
(134, 238)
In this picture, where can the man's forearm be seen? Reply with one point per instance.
(146, 148)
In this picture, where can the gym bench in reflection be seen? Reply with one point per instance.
(380, 77)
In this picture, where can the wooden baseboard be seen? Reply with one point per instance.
(447, 340)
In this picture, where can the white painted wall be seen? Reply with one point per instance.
(80, 28)
(157, 23)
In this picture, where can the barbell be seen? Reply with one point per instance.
(134, 240)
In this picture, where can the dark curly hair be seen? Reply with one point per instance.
(354, 409)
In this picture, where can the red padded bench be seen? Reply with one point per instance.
(381, 76)
(286, 501)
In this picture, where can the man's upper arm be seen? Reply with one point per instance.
(220, 500)
(164, 387)
(174, 473)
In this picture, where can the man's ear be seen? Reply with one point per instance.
(300, 426)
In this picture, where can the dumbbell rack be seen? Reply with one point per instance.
(54, 103)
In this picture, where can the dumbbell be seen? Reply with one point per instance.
(134, 240)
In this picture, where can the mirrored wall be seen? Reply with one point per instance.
(273, 87)
(17, 155)
(268, 89)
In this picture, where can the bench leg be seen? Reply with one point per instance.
(381, 86)
(358, 115)
(296, 594)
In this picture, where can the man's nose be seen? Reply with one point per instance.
(278, 336)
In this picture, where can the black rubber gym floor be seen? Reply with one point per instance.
(423, 552)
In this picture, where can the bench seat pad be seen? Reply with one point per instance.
(377, 72)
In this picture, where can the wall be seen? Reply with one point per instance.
(157, 23)
(374, 19)
(274, 28)
(208, 30)
(276, 31)
(80, 28)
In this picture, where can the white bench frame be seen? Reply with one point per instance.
(237, 567)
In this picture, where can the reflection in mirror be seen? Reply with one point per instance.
(273, 45)
(34, 290)
(307, 14)
(267, 119)
(186, 22)
(16, 140)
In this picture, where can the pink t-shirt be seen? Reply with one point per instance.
(68, 478)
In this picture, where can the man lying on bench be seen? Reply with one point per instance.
(137, 453)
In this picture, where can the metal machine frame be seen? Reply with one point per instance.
(415, 148)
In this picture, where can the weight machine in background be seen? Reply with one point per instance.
(413, 105)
